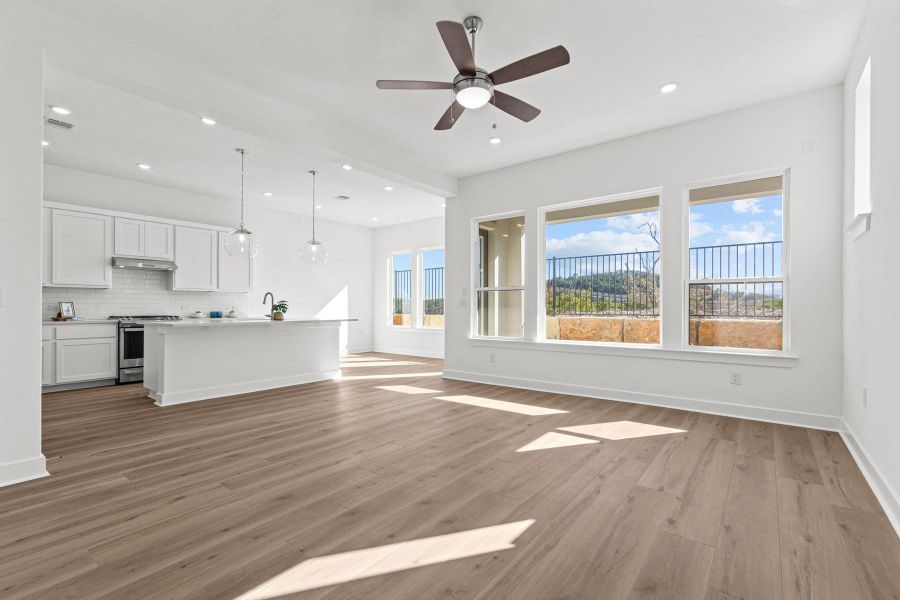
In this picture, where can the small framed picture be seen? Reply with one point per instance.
(67, 310)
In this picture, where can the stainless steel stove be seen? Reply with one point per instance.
(131, 344)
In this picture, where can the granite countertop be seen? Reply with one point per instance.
(230, 322)
(79, 322)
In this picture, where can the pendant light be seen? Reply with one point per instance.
(314, 252)
(241, 242)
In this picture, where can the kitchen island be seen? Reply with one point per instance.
(199, 359)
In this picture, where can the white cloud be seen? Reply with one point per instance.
(777, 212)
(632, 221)
(600, 242)
(747, 205)
(698, 227)
(745, 234)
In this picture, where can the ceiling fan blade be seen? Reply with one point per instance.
(450, 116)
(515, 107)
(403, 84)
(534, 64)
(454, 36)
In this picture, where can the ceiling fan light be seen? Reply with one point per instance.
(473, 97)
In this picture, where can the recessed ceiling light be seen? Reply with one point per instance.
(388, 188)
(45, 143)
(60, 110)
(347, 167)
(207, 121)
(318, 206)
(668, 88)
(374, 218)
(505, 235)
(143, 166)
(267, 194)
(495, 140)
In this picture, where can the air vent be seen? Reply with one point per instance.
(58, 123)
(341, 197)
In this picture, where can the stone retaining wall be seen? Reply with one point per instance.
(734, 333)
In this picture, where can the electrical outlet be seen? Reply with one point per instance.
(735, 378)
(492, 357)
(865, 397)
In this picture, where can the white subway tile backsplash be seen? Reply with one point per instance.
(139, 292)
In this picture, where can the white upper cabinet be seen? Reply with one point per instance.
(235, 273)
(80, 249)
(144, 239)
(159, 240)
(196, 252)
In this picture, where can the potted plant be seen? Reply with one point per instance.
(278, 310)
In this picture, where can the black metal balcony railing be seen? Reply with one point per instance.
(731, 280)
(432, 291)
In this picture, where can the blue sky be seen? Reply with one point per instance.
(732, 222)
(430, 259)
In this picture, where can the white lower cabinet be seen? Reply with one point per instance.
(85, 359)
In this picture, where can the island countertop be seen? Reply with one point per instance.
(246, 321)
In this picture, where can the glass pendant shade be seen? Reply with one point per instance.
(242, 243)
(314, 252)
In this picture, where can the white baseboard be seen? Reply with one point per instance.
(887, 496)
(743, 411)
(360, 350)
(408, 352)
(23, 470)
(220, 391)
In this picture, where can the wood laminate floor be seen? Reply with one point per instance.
(396, 483)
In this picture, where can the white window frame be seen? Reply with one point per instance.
(412, 287)
(542, 261)
(784, 173)
(420, 259)
(473, 275)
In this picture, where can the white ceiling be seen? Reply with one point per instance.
(115, 130)
(302, 72)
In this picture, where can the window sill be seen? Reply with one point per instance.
(859, 225)
(416, 329)
(652, 351)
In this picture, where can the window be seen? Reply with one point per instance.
(401, 289)
(862, 198)
(736, 265)
(499, 286)
(602, 272)
(432, 284)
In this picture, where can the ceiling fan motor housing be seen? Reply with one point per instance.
(473, 91)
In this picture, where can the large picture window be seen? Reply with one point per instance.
(401, 289)
(432, 286)
(499, 286)
(736, 285)
(602, 271)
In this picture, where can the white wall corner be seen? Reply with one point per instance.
(858, 226)
(887, 496)
(23, 470)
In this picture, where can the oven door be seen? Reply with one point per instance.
(131, 347)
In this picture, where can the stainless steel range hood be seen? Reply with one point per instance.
(147, 264)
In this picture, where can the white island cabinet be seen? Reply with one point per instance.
(191, 360)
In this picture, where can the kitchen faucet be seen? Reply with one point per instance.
(272, 306)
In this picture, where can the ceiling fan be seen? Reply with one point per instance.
(474, 87)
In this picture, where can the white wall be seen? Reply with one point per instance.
(21, 109)
(341, 289)
(772, 135)
(412, 237)
(871, 273)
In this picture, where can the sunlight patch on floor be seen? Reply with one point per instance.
(389, 376)
(620, 430)
(383, 363)
(357, 564)
(407, 389)
(516, 407)
(553, 439)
